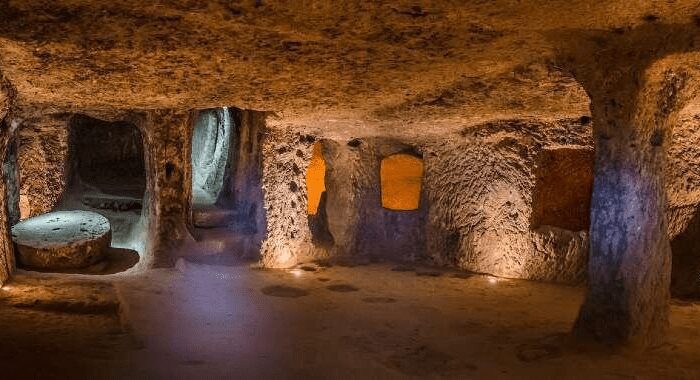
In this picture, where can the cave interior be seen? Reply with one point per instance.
(265, 189)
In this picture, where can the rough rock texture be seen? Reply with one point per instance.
(563, 186)
(94, 157)
(480, 190)
(369, 55)
(167, 136)
(636, 98)
(7, 131)
(7, 259)
(476, 205)
(357, 222)
(286, 156)
(243, 184)
(210, 150)
(683, 194)
(43, 160)
(11, 177)
(420, 72)
(62, 240)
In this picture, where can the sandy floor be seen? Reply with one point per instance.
(374, 321)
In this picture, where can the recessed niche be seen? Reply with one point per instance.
(563, 188)
(316, 179)
(401, 182)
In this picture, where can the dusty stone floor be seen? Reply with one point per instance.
(369, 321)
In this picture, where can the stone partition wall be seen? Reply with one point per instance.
(7, 257)
(357, 222)
(286, 157)
(7, 133)
(10, 169)
(475, 210)
(167, 212)
(480, 190)
(43, 159)
(340, 205)
(351, 222)
(683, 195)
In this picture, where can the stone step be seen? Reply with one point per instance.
(213, 217)
(112, 202)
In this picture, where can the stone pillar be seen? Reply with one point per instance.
(10, 169)
(7, 257)
(44, 159)
(342, 203)
(286, 157)
(630, 259)
(167, 138)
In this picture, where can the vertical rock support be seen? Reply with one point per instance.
(286, 157)
(638, 81)
(683, 192)
(629, 268)
(7, 257)
(7, 260)
(167, 146)
(43, 161)
(11, 176)
(357, 221)
(342, 201)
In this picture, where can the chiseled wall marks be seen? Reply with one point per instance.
(286, 157)
(7, 257)
(480, 189)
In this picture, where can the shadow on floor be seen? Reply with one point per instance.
(117, 260)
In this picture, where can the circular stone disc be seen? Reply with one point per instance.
(62, 239)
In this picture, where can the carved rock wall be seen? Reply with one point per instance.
(286, 157)
(43, 156)
(480, 191)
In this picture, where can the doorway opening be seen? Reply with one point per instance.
(210, 152)
(107, 175)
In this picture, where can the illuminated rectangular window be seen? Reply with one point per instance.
(401, 181)
(316, 178)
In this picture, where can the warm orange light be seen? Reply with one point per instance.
(401, 176)
(316, 178)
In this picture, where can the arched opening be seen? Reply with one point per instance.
(317, 196)
(228, 216)
(210, 153)
(316, 179)
(401, 181)
(107, 167)
(105, 175)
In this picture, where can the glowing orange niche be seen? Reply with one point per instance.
(316, 178)
(401, 180)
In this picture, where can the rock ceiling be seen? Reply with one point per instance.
(350, 63)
